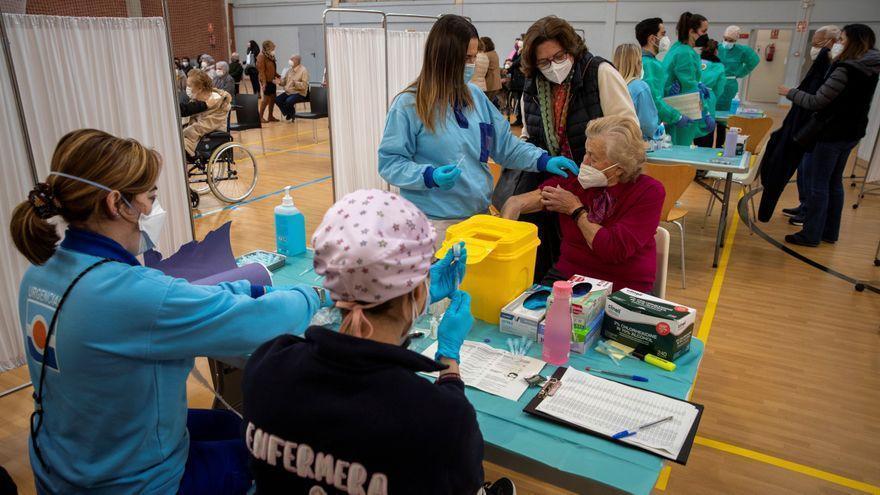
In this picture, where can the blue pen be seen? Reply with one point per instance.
(629, 433)
(619, 375)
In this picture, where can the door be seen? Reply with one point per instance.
(769, 74)
(311, 49)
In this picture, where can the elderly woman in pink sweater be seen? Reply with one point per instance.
(608, 215)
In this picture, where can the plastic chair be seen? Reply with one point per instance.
(745, 181)
(661, 238)
(247, 116)
(318, 101)
(675, 179)
(755, 129)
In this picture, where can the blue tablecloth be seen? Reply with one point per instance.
(506, 426)
(701, 158)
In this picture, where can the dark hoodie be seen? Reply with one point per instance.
(843, 101)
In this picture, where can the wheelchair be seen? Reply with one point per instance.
(221, 166)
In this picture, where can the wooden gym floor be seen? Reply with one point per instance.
(791, 374)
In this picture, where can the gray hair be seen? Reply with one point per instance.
(207, 58)
(830, 31)
(623, 144)
(221, 65)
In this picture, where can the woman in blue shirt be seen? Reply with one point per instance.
(110, 374)
(441, 131)
(628, 60)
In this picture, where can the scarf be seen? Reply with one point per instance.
(553, 102)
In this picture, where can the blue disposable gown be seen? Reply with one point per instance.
(645, 108)
(115, 390)
(475, 134)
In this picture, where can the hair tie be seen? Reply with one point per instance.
(43, 201)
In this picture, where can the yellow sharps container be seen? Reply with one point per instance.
(500, 261)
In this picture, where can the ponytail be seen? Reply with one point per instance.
(33, 235)
(686, 23)
(123, 165)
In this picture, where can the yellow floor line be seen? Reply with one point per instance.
(788, 465)
(715, 292)
(300, 147)
(663, 479)
(709, 312)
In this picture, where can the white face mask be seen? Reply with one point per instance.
(642, 74)
(150, 225)
(189, 92)
(185, 63)
(290, 63)
(727, 44)
(664, 44)
(558, 71)
(814, 52)
(272, 53)
(204, 65)
(590, 176)
(221, 72)
(416, 317)
(836, 50)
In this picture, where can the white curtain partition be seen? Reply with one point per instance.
(17, 180)
(104, 73)
(356, 70)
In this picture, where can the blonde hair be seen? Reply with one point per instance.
(623, 143)
(200, 81)
(628, 60)
(124, 165)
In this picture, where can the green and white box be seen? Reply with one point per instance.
(657, 326)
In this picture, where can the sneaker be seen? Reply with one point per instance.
(792, 212)
(502, 486)
(799, 240)
(796, 221)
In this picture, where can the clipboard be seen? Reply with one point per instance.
(556, 381)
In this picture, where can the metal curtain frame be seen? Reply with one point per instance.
(384, 23)
(10, 67)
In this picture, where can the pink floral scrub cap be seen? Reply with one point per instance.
(371, 247)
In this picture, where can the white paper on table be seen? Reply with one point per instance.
(688, 104)
(608, 407)
(491, 370)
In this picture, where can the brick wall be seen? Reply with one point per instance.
(190, 20)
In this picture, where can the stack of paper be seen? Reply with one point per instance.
(687, 104)
(608, 407)
(493, 370)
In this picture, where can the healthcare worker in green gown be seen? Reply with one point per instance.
(713, 77)
(739, 61)
(651, 35)
(682, 65)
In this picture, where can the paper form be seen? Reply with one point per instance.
(609, 407)
(493, 370)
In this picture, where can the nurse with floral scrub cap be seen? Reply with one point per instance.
(441, 131)
(354, 396)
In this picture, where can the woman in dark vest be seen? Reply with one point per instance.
(566, 87)
(841, 108)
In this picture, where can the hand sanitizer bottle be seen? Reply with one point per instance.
(290, 227)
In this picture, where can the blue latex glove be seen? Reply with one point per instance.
(446, 176)
(684, 121)
(447, 273)
(674, 89)
(710, 123)
(456, 323)
(561, 165)
(704, 91)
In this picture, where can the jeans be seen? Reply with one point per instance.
(802, 182)
(824, 180)
(286, 103)
(218, 458)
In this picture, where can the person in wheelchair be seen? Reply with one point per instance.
(199, 87)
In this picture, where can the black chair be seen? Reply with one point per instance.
(247, 116)
(318, 103)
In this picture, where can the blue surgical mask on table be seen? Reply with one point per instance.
(150, 225)
(469, 72)
(589, 176)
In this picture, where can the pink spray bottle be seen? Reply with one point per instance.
(557, 325)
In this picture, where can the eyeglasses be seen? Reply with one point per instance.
(544, 63)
